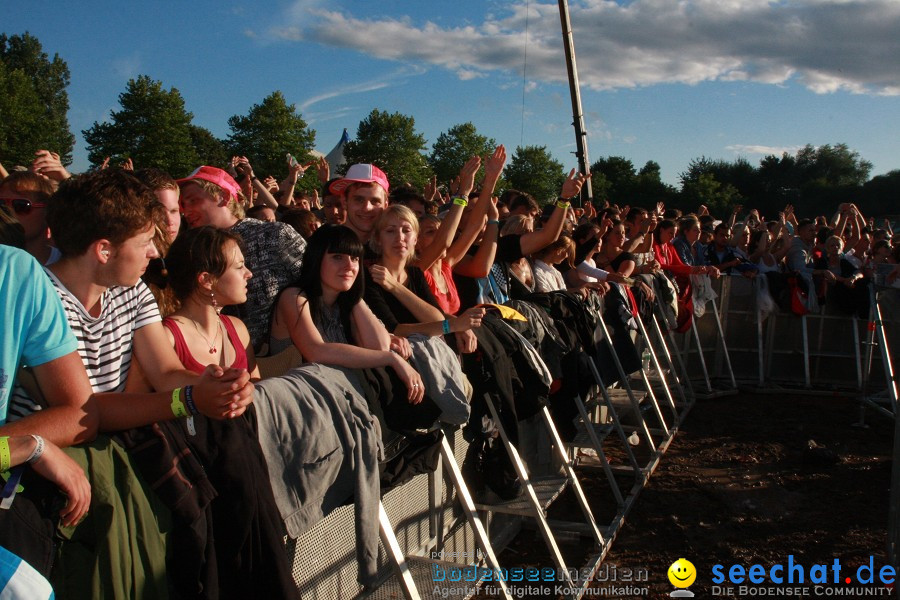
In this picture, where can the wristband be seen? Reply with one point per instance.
(562, 203)
(177, 405)
(446, 326)
(5, 458)
(460, 201)
(494, 222)
(189, 399)
(38, 450)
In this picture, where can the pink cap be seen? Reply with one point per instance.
(214, 175)
(361, 173)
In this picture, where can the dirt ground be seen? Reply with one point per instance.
(749, 479)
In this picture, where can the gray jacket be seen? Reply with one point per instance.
(322, 445)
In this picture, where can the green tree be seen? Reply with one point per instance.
(650, 189)
(705, 189)
(532, 169)
(390, 142)
(614, 179)
(831, 166)
(210, 149)
(152, 128)
(454, 147)
(270, 131)
(36, 103)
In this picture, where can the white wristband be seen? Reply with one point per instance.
(38, 450)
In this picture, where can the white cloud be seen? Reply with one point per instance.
(383, 81)
(827, 45)
(743, 149)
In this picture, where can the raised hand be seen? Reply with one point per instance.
(323, 171)
(431, 188)
(573, 183)
(493, 167)
(46, 164)
(467, 176)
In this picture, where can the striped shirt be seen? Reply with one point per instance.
(104, 342)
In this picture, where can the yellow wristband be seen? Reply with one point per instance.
(460, 201)
(5, 458)
(178, 408)
(562, 204)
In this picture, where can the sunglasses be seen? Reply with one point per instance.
(21, 206)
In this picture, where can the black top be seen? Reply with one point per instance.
(388, 308)
(622, 257)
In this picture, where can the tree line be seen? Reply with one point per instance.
(154, 128)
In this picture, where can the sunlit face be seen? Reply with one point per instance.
(304, 203)
(32, 213)
(201, 208)
(169, 200)
(339, 272)
(427, 231)
(231, 287)
(397, 238)
(365, 204)
(129, 260)
(616, 236)
(833, 247)
(693, 233)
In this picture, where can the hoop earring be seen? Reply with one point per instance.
(215, 304)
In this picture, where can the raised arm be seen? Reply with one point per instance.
(536, 240)
(263, 196)
(446, 232)
(492, 170)
(480, 264)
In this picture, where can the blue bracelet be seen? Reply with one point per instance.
(446, 326)
(189, 399)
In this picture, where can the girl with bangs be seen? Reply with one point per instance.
(325, 317)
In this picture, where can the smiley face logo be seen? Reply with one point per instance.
(682, 573)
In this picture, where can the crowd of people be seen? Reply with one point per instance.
(157, 460)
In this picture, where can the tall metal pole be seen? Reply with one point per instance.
(578, 117)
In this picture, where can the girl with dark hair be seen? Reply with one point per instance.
(325, 317)
(207, 273)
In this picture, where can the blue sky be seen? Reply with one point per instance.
(661, 80)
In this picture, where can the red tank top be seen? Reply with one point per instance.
(187, 359)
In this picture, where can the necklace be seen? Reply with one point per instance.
(212, 345)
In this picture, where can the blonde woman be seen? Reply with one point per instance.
(397, 291)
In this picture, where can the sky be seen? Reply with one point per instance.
(661, 80)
